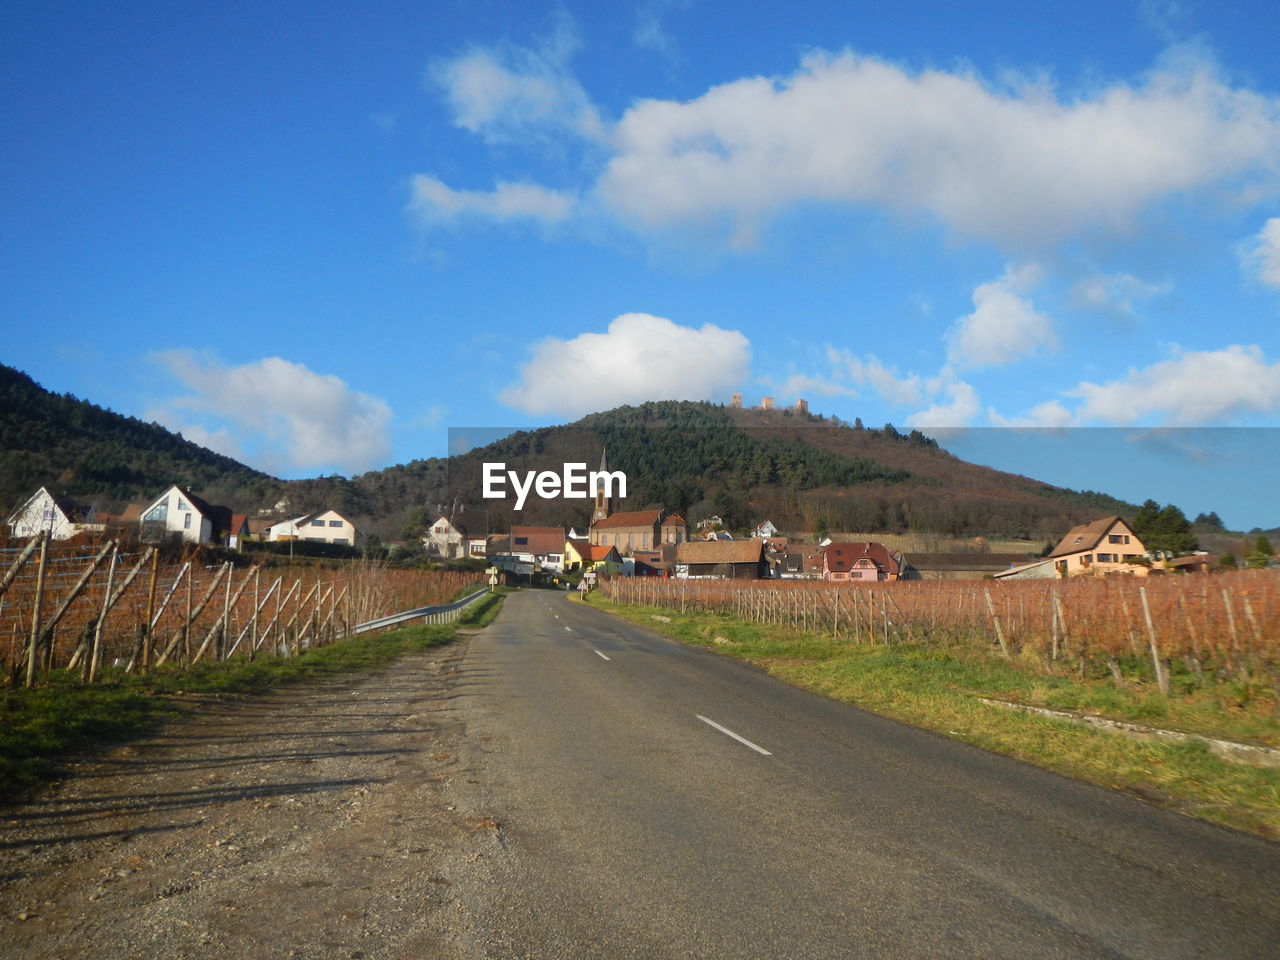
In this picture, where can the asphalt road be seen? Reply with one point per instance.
(650, 800)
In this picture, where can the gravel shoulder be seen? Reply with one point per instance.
(314, 822)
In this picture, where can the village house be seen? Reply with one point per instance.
(796, 562)
(580, 557)
(959, 566)
(1104, 547)
(545, 544)
(765, 530)
(178, 512)
(864, 562)
(463, 534)
(61, 517)
(324, 526)
(674, 529)
(725, 560)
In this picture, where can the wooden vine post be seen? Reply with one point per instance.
(145, 662)
(95, 654)
(991, 609)
(1162, 671)
(35, 611)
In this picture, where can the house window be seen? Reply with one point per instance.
(317, 523)
(158, 514)
(182, 504)
(186, 521)
(522, 541)
(1117, 538)
(439, 530)
(341, 540)
(1108, 558)
(335, 523)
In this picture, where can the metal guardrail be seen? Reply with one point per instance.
(443, 613)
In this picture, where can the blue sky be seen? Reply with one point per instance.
(316, 236)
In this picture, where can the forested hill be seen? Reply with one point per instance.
(799, 470)
(78, 449)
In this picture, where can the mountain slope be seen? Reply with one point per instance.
(800, 470)
(82, 450)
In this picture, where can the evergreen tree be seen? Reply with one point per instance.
(1209, 521)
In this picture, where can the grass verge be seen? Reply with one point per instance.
(40, 728)
(937, 687)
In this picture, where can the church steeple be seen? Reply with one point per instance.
(603, 507)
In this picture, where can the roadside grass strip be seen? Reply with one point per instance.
(940, 686)
(41, 728)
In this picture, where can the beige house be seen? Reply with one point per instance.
(1106, 546)
(326, 526)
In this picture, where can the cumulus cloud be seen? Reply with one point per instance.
(504, 93)
(1189, 389)
(638, 358)
(897, 389)
(1015, 162)
(959, 409)
(1004, 327)
(1261, 255)
(1049, 414)
(1116, 294)
(431, 201)
(1015, 165)
(296, 419)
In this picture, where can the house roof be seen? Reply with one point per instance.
(719, 551)
(592, 553)
(69, 508)
(674, 520)
(538, 539)
(239, 523)
(1088, 535)
(841, 557)
(259, 525)
(985, 562)
(634, 518)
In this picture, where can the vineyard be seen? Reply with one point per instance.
(83, 609)
(1204, 629)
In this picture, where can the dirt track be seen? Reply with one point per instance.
(315, 822)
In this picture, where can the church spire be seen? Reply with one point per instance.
(602, 508)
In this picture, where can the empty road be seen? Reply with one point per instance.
(651, 800)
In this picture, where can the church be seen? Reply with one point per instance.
(632, 530)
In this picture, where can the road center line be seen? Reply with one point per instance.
(729, 733)
(601, 655)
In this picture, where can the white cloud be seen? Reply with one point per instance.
(639, 358)
(893, 388)
(1190, 389)
(1261, 255)
(808, 385)
(1014, 162)
(1004, 327)
(299, 420)
(1115, 294)
(432, 201)
(961, 408)
(506, 92)
(1048, 414)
